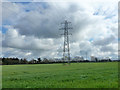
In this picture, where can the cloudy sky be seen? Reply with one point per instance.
(31, 29)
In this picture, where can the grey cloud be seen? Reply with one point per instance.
(47, 24)
(105, 41)
(37, 25)
(107, 49)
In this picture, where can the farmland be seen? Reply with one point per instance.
(75, 75)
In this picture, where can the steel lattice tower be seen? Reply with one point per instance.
(66, 47)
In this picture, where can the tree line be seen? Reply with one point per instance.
(12, 61)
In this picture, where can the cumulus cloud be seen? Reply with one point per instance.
(14, 40)
(33, 28)
(105, 41)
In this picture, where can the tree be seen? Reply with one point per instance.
(96, 59)
(39, 60)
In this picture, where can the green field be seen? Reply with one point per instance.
(76, 75)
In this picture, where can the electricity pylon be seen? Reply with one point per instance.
(66, 48)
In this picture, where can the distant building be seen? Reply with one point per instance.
(78, 58)
(106, 59)
(33, 61)
(57, 59)
(94, 59)
(51, 60)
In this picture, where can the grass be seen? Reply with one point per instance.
(76, 75)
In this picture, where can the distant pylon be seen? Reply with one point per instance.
(66, 47)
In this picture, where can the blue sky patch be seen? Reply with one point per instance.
(91, 39)
(4, 29)
(27, 10)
